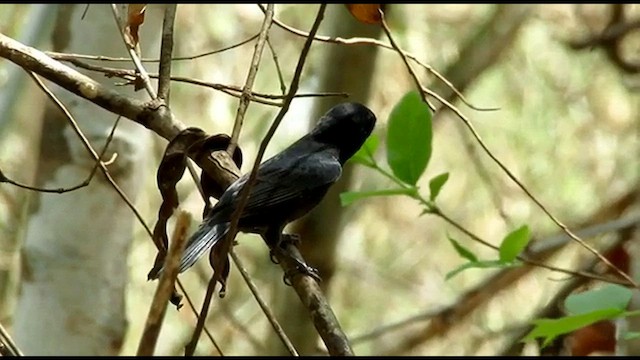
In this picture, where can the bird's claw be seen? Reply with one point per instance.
(273, 257)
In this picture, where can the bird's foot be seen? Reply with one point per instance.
(273, 257)
(293, 239)
(285, 239)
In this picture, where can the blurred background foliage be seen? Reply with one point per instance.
(567, 126)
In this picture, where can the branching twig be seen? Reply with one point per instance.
(132, 53)
(242, 108)
(158, 119)
(374, 42)
(475, 134)
(307, 289)
(232, 90)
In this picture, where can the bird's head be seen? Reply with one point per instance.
(345, 126)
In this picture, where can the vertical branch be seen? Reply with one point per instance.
(251, 76)
(307, 289)
(166, 49)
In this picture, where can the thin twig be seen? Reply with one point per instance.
(424, 91)
(165, 287)
(397, 325)
(69, 56)
(190, 348)
(562, 226)
(10, 345)
(274, 55)
(307, 289)
(166, 49)
(144, 76)
(245, 275)
(251, 76)
(232, 90)
(374, 42)
(244, 102)
(483, 173)
(525, 260)
(263, 305)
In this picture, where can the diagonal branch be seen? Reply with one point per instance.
(158, 119)
(251, 76)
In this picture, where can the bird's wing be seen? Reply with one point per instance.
(280, 180)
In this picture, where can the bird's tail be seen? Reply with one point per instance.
(202, 240)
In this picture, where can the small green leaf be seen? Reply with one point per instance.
(514, 243)
(436, 184)
(610, 296)
(348, 197)
(409, 138)
(479, 264)
(463, 251)
(549, 329)
(364, 155)
(631, 335)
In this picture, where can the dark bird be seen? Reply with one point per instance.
(287, 185)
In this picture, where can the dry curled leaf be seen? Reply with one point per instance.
(366, 13)
(189, 142)
(135, 18)
(170, 171)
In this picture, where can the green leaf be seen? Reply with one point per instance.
(409, 138)
(479, 264)
(631, 335)
(549, 329)
(436, 184)
(463, 251)
(364, 155)
(514, 243)
(348, 197)
(610, 296)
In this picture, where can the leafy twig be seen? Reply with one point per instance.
(475, 134)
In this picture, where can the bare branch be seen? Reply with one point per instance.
(156, 118)
(68, 56)
(133, 54)
(374, 42)
(166, 49)
(263, 305)
(8, 347)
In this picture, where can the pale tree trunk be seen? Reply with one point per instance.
(20, 128)
(344, 69)
(77, 243)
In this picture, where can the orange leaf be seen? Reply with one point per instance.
(135, 18)
(366, 13)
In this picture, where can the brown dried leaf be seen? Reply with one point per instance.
(170, 171)
(190, 142)
(365, 13)
(135, 18)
